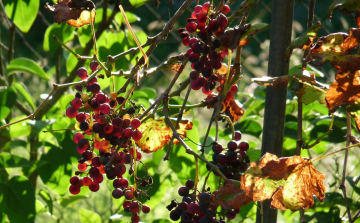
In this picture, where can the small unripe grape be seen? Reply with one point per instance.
(135, 123)
(136, 135)
(71, 112)
(82, 73)
(86, 181)
(225, 9)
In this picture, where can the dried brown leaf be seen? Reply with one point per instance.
(291, 182)
(75, 13)
(233, 110)
(346, 90)
(229, 196)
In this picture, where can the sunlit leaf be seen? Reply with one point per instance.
(305, 40)
(156, 134)
(22, 12)
(26, 65)
(309, 94)
(291, 182)
(20, 88)
(7, 101)
(87, 216)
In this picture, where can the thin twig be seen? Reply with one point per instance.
(300, 142)
(342, 186)
(57, 65)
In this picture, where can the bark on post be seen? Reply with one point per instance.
(275, 102)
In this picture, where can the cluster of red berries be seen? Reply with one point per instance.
(106, 128)
(202, 34)
(195, 209)
(233, 160)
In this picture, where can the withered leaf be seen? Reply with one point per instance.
(346, 6)
(156, 134)
(346, 90)
(305, 40)
(309, 94)
(233, 110)
(229, 196)
(176, 67)
(231, 37)
(354, 111)
(75, 13)
(336, 48)
(291, 182)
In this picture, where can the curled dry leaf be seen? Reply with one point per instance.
(346, 6)
(346, 90)
(336, 48)
(231, 37)
(75, 13)
(229, 196)
(156, 134)
(233, 110)
(290, 182)
(305, 40)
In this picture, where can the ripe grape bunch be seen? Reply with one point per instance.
(202, 34)
(106, 143)
(194, 208)
(233, 160)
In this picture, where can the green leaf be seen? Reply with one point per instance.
(20, 88)
(26, 65)
(130, 16)
(87, 216)
(99, 14)
(346, 5)
(66, 200)
(17, 198)
(19, 129)
(38, 125)
(137, 3)
(22, 12)
(7, 160)
(7, 101)
(63, 32)
(54, 167)
(304, 40)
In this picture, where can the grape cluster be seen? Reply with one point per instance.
(105, 126)
(193, 209)
(202, 34)
(231, 160)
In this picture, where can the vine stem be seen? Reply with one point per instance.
(299, 140)
(342, 186)
(187, 148)
(177, 123)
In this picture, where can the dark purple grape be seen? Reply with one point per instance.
(183, 191)
(204, 220)
(232, 145)
(231, 156)
(182, 206)
(230, 214)
(217, 148)
(237, 135)
(117, 193)
(204, 198)
(190, 184)
(221, 158)
(175, 215)
(193, 57)
(192, 208)
(84, 125)
(93, 65)
(244, 146)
